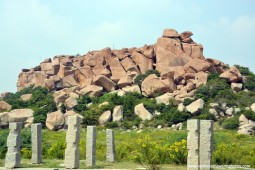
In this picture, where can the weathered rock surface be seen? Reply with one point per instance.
(142, 112)
(26, 97)
(55, 120)
(4, 106)
(232, 75)
(177, 57)
(195, 106)
(105, 117)
(117, 115)
(164, 98)
(246, 126)
(253, 107)
(163, 86)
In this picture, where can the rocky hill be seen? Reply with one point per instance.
(178, 59)
(167, 83)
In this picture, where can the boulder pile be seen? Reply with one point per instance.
(178, 59)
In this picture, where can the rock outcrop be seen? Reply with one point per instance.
(179, 59)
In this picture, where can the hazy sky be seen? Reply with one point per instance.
(32, 30)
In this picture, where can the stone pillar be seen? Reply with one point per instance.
(72, 153)
(206, 144)
(13, 157)
(91, 146)
(193, 144)
(111, 153)
(36, 130)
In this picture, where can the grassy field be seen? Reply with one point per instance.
(230, 148)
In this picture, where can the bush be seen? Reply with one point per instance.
(249, 83)
(150, 154)
(187, 101)
(111, 125)
(179, 152)
(57, 150)
(3, 140)
(231, 123)
(206, 116)
(42, 102)
(249, 114)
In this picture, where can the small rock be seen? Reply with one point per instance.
(253, 107)
(181, 107)
(236, 87)
(26, 97)
(164, 98)
(229, 111)
(159, 127)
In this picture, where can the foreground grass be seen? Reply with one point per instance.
(229, 147)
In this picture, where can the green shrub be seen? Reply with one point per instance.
(42, 102)
(187, 101)
(206, 116)
(111, 125)
(3, 140)
(57, 150)
(249, 114)
(82, 103)
(245, 71)
(249, 82)
(231, 123)
(150, 154)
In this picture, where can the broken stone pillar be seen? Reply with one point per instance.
(193, 144)
(72, 153)
(36, 130)
(206, 144)
(110, 153)
(13, 157)
(91, 146)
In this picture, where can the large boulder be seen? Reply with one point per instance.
(149, 88)
(141, 112)
(92, 90)
(232, 75)
(21, 115)
(55, 120)
(197, 65)
(169, 53)
(117, 115)
(4, 106)
(105, 117)
(195, 106)
(170, 33)
(125, 81)
(164, 98)
(116, 68)
(142, 62)
(105, 82)
(71, 102)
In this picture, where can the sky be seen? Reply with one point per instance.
(33, 30)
